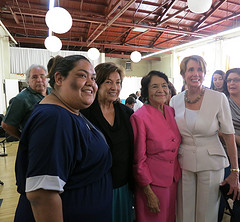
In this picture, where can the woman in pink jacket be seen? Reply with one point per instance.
(156, 142)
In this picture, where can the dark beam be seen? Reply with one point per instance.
(84, 44)
(169, 7)
(219, 21)
(208, 14)
(123, 56)
(128, 25)
(139, 34)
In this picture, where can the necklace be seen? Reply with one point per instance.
(67, 106)
(196, 99)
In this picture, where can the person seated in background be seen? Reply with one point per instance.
(63, 161)
(21, 106)
(218, 81)
(138, 103)
(130, 101)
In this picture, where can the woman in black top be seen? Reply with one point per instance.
(112, 118)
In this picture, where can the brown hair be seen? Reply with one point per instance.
(103, 71)
(197, 58)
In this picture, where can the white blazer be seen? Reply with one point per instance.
(201, 149)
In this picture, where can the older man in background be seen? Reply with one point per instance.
(21, 106)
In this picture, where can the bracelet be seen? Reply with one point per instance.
(235, 170)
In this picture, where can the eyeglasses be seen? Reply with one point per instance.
(234, 80)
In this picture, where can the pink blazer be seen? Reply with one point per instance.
(156, 143)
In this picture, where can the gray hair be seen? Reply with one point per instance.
(33, 67)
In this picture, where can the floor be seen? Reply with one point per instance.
(8, 191)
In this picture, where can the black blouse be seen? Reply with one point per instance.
(119, 138)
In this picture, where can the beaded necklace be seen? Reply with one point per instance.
(196, 99)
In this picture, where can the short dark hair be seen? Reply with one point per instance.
(130, 100)
(62, 65)
(103, 71)
(133, 95)
(146, 80)
(233, 70)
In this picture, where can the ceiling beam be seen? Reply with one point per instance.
(112, 20)
(123, 56)
(167, 40)
(111, 11)
(93, 33)
(169, 7)
(173, 15)
(156, 39)
(208, 14)
(128, 25)
(84, 44)
(138, 35)
(234, 15)
(14, 16)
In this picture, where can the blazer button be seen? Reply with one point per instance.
(173, 140)
(173, 151)
(171, 161)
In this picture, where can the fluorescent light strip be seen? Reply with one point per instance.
(51, 4)
(194, 42)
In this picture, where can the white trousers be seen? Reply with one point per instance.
(198, 196)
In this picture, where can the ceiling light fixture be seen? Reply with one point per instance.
(53, 43)
(220, 34)
(139, 29)
(58, 20)
(198, 6)
(93, 53)
(136, 56)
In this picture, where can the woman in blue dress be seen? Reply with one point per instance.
(63, 162)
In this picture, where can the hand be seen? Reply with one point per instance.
(153, 203)
(152, 200)
(233, 181)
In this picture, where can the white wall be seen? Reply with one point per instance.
(4, 66)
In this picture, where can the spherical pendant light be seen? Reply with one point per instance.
(136, 56)
(58, 20)
(93, 53)
(199, 6)
(53, 43)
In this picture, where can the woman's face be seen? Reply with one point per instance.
(79, 88)
(158, 91)
(233, 84)
(218, 81)
(194, 75)
(110, 89)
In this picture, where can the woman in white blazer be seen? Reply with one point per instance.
(200, 113)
